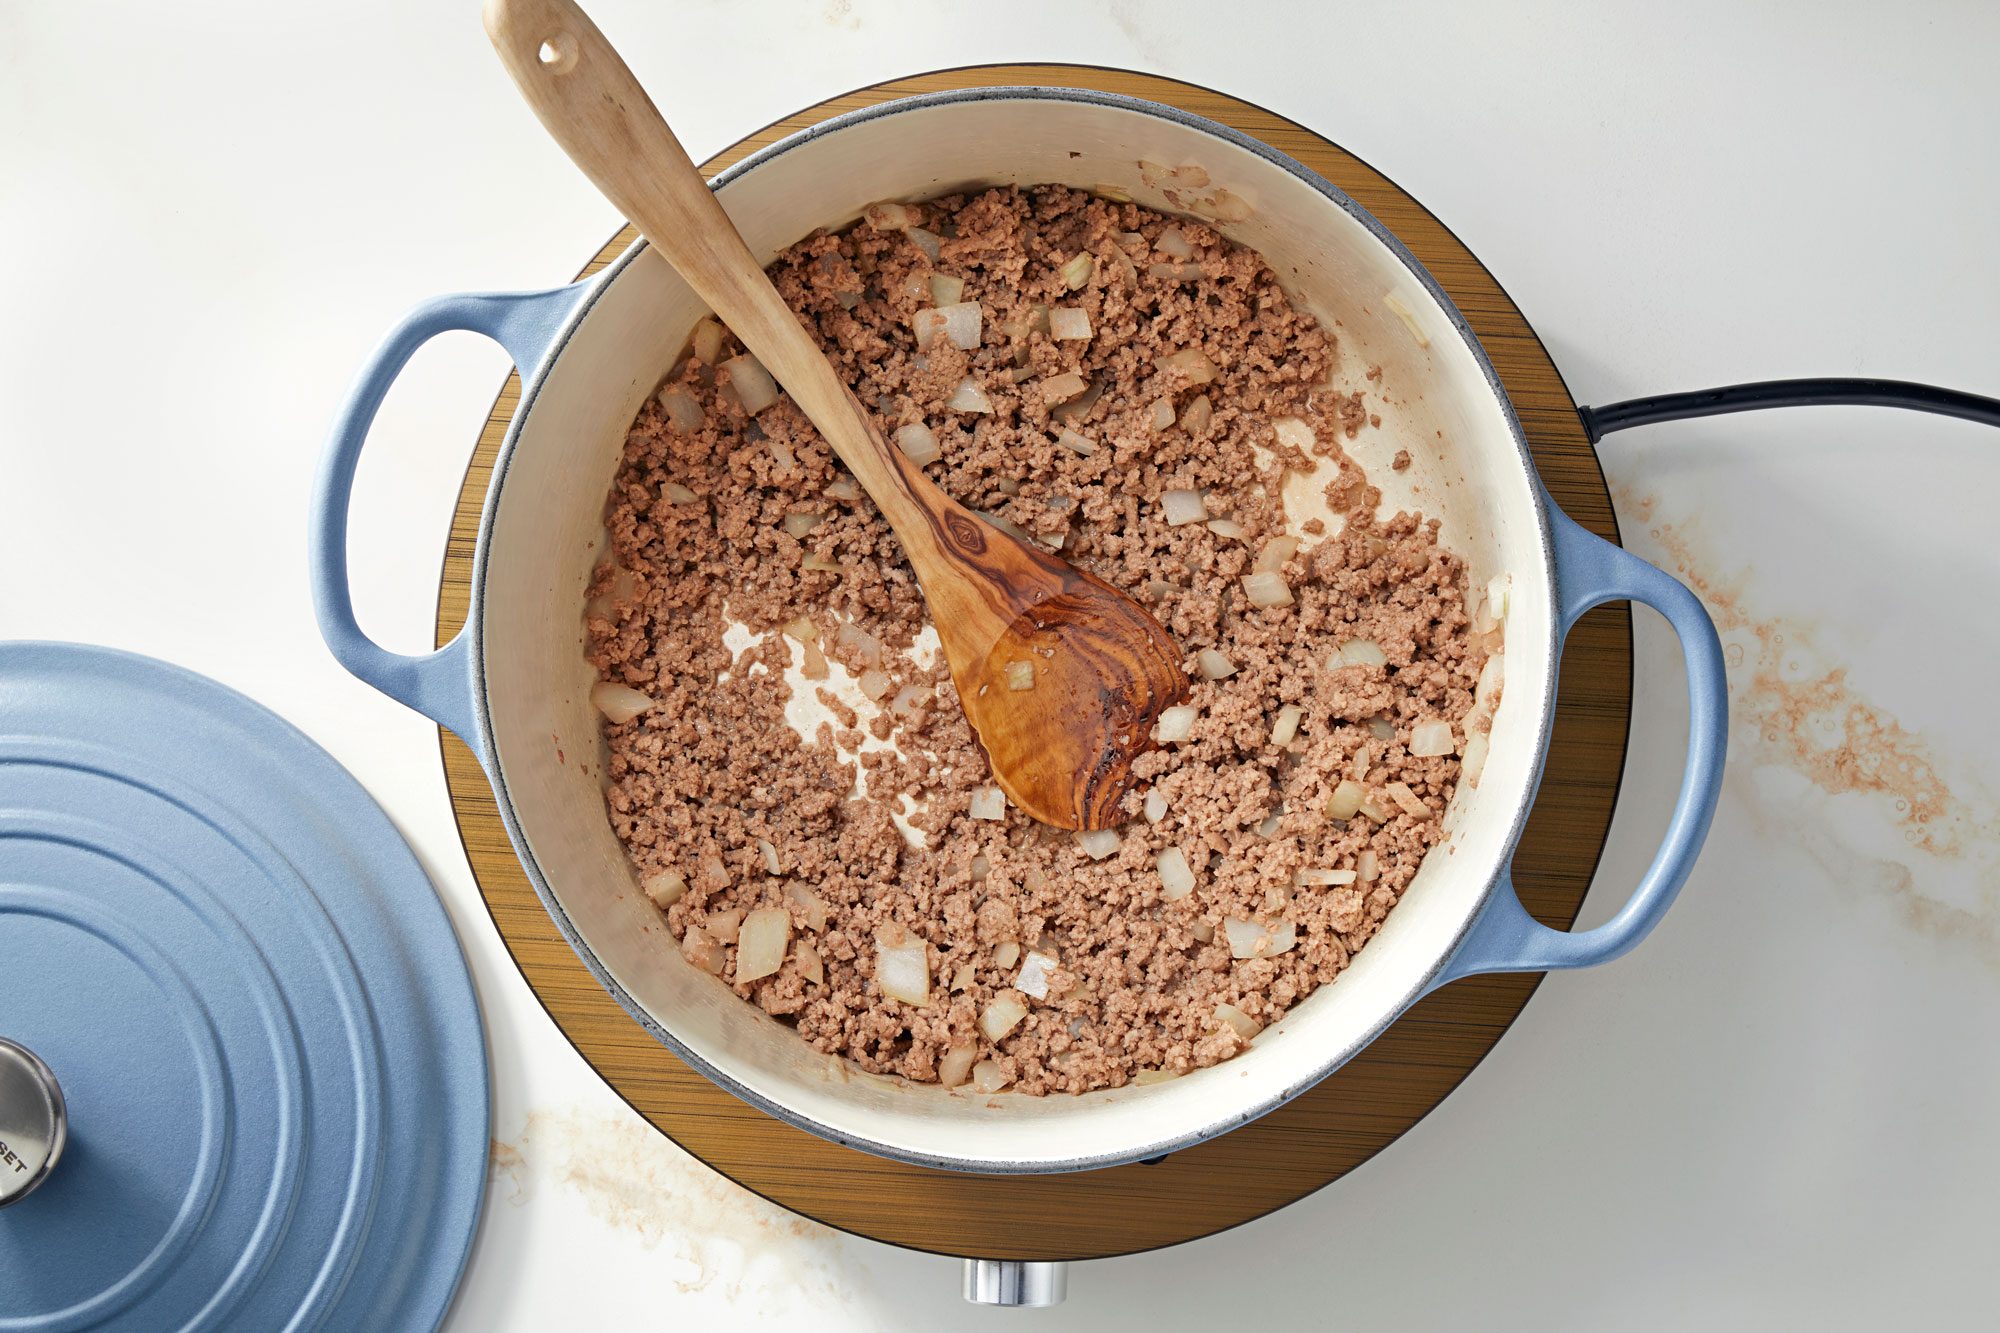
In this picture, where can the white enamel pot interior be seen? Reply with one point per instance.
(542, 534)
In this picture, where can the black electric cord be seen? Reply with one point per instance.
(1599, 422)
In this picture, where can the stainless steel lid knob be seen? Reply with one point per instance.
(1017, 1282)
(33, 1123)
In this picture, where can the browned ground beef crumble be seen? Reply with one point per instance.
(711, 786)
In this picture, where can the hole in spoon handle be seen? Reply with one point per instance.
(557, 53)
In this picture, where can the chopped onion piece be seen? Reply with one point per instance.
(1294, 432)
(909, 699)
(684, 414)
(844, 488)
(866, 648)
(1271, 827)
(989, 1077)
(1172, 242)
(1176, 875)
(1191, 362)
(1007, 953)
(1276, 552)
(1173, 272)
(1267, 590)
(1245, 1026)
(810, 906)
(962, 322)
(1079, 407)
(1413, 806)
(1367, 867)
(1491, 677)
(1008, 526)
(1286, 728)
(1213, 665)
(665, 888)
(969, 397)
(987, 803)
(1156, 806)
(1036, 969)
(1499, 594)
(1203, 930)
(901, 969)
(962, 977)
(724, 925)
(888, 216)
(956, 1066)
(1472, 761)
(1147, 1077)
(1374, 811)
(925, 241)
(874, 684)
(618, 703)
(1348, 797)
(1098, 843)
(810, 966)
(1176, 724)
(1432, 738)
(1069, 323)
(847, 300)
(750, 382)
(798, 525)
(707, 340)
(1061, 388)
(980, 867)
(782, 455)
(769, 851)
(800, 628)
(1409, 319)
(1183, 507)
(1363, 652)
(1226, 207)
(1001, 1016)
(1162, 413)
(946, 290)
(761, 943)
(675, 493)
(1248, 939)
(1075, 443)
(821, 564)
(1197, 414)
(1020, 676)
(1323, 878)
(1076, 271)
(700, 948)
(1227, 527)
(918, 443)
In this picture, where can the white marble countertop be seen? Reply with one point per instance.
(1779, 1112)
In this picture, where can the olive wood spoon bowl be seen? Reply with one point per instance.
(1102, 669)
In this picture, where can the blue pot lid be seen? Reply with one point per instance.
(267, 1045)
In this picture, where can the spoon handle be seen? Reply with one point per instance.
(593, 106)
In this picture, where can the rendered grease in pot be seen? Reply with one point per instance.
(798, 788)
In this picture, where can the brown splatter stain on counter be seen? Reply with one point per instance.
(635, 1180)
(1790, 710)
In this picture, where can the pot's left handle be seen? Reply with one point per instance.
(439, 685)
(1589, 572)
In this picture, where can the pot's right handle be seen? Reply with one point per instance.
(1589, 572)
(439, 685)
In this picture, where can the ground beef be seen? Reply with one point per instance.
(724, 808)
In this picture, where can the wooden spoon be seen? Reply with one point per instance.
(1102, 670)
